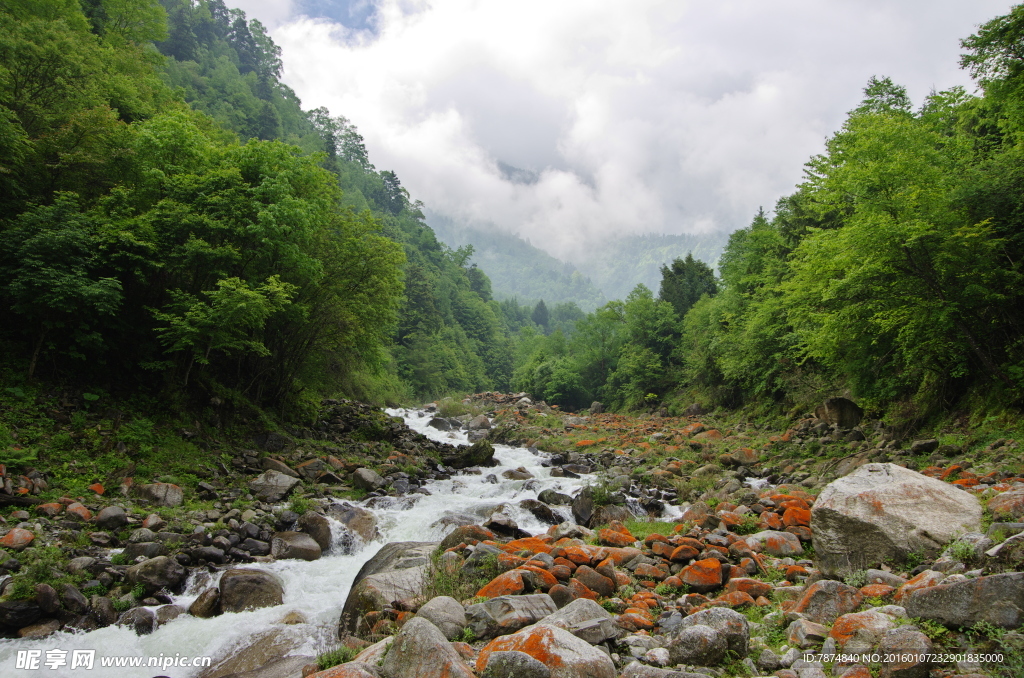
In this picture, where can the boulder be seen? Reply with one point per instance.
(348, 670)
(804, 633)
(479, 423)
(317, 527)
(883, 512)
(997, 599)
(271, 464)
(841, 412)
(540, 511)
(73, 599)
(911, 650)
(47, 599)
(553, 498)
(40, 629)
(111, 518)
(420, 650)
(16, 614)
(507, 614)
(248, 589)
(468, 534)
(480, 453)
(565, 655)
(514, 664)
(731, 625)
(446, 613)
(17, 539)
(697, 644)
(297, 545)
(161, 494)
(291, 667)
(156, 573)
(585, 619)
(440, 424)
(825, 601)
(778, 544)
(360, 523)
(206, 605)
(396, 572)
(272, 485)
(859, 632)
(583, 506)
(367, 479)
(139, 619)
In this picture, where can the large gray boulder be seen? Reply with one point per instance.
(997, 599)
(248, 589)
(360, 523)
(367, 479)
(884, 512)
(420, 650)
(161, 494)
(446, 613)
(317, 527)
(514, 664)
(272, 485)
(480, 453)
(297, 545)
(156, 573)
(730, 624)
(585, 619)
(396, 572)
(697, 644)
(507, 614)
(111, 518)
(842, 412)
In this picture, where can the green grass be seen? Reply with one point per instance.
(339, 655)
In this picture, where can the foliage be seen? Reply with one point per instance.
(339, 655)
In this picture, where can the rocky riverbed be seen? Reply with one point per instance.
(551, 562)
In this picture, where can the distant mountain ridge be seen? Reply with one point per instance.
(519, 269)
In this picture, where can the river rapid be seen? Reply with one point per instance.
(317, 589)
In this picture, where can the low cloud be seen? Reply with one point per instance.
(672, 116)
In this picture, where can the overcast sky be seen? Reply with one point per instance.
(669, 116)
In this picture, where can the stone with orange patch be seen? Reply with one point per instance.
(579, 555)
(581, 590)
(924, 580)
(702, 575)
(97, 488)
(632, 621)
(17, 539)
(505, 584)
(79, 511)
(662, 549)
(770, 520)
(876, 590)
(796, 517)
(561, 572)
(752, 587)
(51, 509)
(736, 599)
(531, 544)
(610, 537)
(650, 571)
(540, 578)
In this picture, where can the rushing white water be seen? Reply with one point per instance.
(317, 590)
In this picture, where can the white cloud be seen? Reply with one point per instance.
(647, 116)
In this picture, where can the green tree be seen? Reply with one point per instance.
(686, 281)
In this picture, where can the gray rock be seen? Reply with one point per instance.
(81, 564)
(421, 650)
(446, 613)
(271, 464)
(882, 577)
(249, 589)
(166, 613)
(161, 494)
(558, 499)
(139, 619)
(146, 549)
(292, 667)
(731, 625)
(596, 408)
(583, 506)
(73, 599)
(111, 518)
(317, 527)
(911, 648)
(840, 411)
(924, 446)
(869, 626)
(155, 574)
(141, 535)
(804, 633)
(883, 512)
(440, 424)
(396, 572)
(367, 479)
(507, 614)
(478, 423)
(480, 453)
(272, 485)
(585, 619)
(16, 614)
(40, 629)
(514, 664)
(697, 644)
(46, 598)
(638, 670)
(362, 524)
(997, 599)
(206, 605)
(297, 545)
(103, 610)
(825, 601)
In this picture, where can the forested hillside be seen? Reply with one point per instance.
(518, 269)
(174, 221)
(892, 273)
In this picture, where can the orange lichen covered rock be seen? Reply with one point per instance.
(702, 575)
(97, 488)
(736, 599)
(531, 544)
(650, 572)
(79, 511)
(770, 520)
(752, 587)
(17, 539)
(540, 578)
(796, 517)
(634, 621)
(924, 580)
(876, 590)
(662, 549)
(505, 584)
(610, 537)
